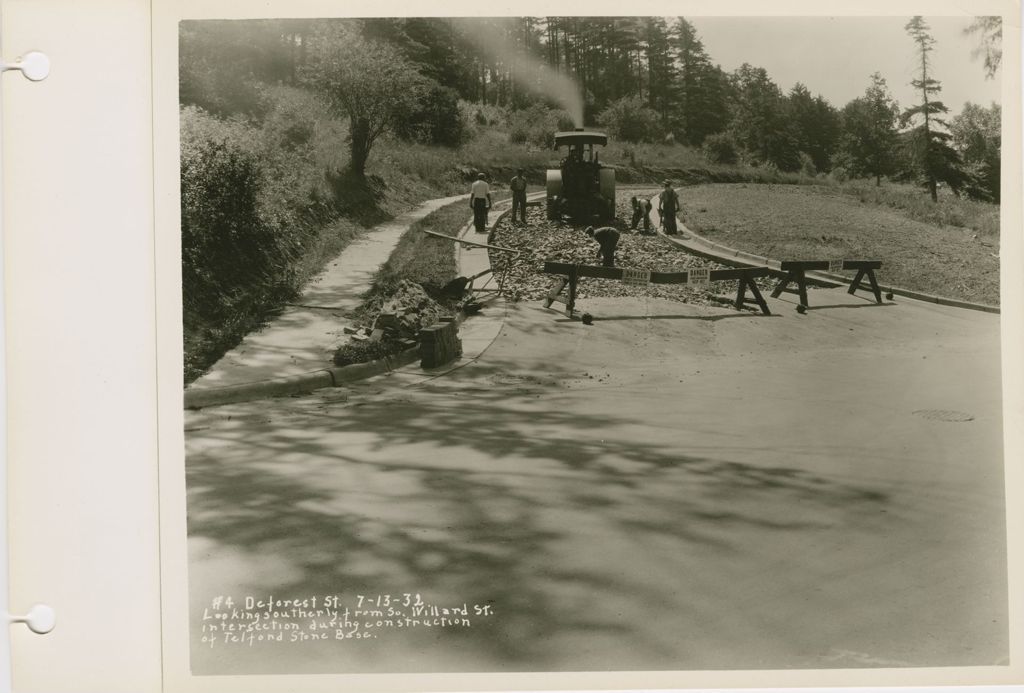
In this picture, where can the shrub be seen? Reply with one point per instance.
(630, 120)
(720, 148)
(434, 119)
(363, 351)
(537, 125)
(839, 174)
(807, 166)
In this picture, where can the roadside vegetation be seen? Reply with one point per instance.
(293, 143)
(824, 223)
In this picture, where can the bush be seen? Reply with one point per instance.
(363, 351)
(435, 119)
(537, 125)
(720, 148)
(223, 238)
(839, 174)
(630, 120)
(807, 166)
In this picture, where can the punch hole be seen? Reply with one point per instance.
(40, 619)
(34, 65)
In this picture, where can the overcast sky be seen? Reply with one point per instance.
(835, 56)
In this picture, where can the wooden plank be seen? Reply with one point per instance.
(874, 286)
(600, 272)
(741, 290)
(805, 265)
(553, 294)
(855, 284)
(790, 277)
(472, 243)
(570, 305)
(757, 295)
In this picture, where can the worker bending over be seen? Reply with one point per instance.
(608, 239)
(641, 210)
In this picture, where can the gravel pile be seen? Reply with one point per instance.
(541, 240)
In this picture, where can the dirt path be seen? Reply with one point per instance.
(674, 487)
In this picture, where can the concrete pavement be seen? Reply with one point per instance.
(304, 336)
(674, 487)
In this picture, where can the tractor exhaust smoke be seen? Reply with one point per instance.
(528, 72)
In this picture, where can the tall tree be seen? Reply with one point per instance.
(934, 158)
(368, 81)
(814, 125)
(759, 122)
(869, 140)
(977, 135)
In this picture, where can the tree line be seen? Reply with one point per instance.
(641, 78)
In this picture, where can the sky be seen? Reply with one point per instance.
(835, 56)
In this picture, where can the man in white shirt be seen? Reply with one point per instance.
(480, 202)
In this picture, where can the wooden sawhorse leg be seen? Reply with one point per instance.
(855, 284)
(796, 275)
(741, 294)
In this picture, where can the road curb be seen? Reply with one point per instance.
(717, 251)
(301, 383)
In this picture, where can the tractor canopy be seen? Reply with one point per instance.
(579, 137)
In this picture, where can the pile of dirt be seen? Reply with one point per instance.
(541, 240)
(406, 312)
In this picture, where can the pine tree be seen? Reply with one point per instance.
(934, 158)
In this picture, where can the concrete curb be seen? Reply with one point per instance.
(298, 384)
(328, 377)
(717, 251)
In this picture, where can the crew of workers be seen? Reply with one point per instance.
(606, 236)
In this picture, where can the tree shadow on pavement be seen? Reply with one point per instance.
(488, 487)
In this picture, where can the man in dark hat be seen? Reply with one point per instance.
(668, 206)
(608, 239)
(480, 202)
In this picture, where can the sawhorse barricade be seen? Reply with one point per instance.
(795, 272)
(699, 276)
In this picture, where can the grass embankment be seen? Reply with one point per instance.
(425, 260)
(919, 247)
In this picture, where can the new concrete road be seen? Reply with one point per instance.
(672, 488)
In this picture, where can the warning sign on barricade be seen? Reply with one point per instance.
(636, 277)
(698, 276)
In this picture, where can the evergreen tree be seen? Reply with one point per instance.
(869, 141)
(934, 159)
(991, 30)
(758, 121)
(700, 89)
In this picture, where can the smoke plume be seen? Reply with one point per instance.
(529, 72)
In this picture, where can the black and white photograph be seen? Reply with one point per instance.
(592, 343)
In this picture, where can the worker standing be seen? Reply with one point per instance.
(668, 205)
(480, 202)
(608, 240)
(518, 187)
